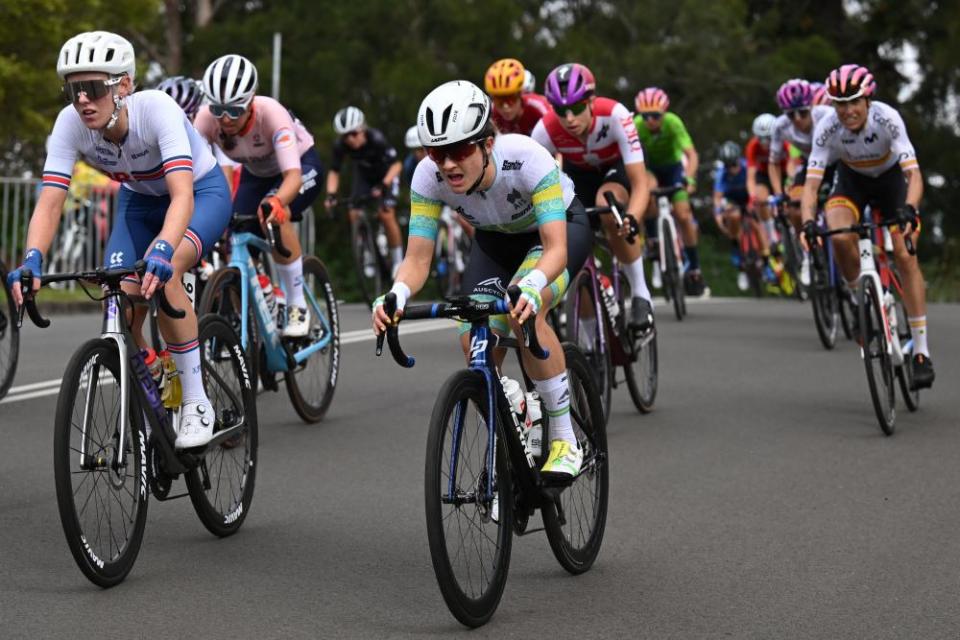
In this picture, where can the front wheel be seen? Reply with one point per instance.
(911, 395)
(641, 371)
(823, 298)
(221, 486)
(469, 503)
(222, 296)
(583, 330)
(9, 336)
(365, 259)
(576, 521)
(672, 276)
(876, 356)
(100, 466)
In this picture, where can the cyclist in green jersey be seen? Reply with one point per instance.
(671, 159)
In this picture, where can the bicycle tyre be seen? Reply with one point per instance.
(9, 336)
(823, 299)
(876, 359)
(362, 244)
(793, 258)
(312, 405)
(86, 546)
(911, 395)
(672, 278)
(219, 343)
(576, 557)
(466, 389)
(599, 359)
(442, 263)
(642, 372)
(222, 297)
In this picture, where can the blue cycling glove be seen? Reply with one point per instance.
(158, 260)
(32, 260)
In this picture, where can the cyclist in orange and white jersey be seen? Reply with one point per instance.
(878, 167)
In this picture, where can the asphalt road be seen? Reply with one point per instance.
(759, 500)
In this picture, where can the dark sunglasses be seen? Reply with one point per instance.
(651, 115)
(457, 152)
(232, 111)
(793, 114)
(351, 134)
(576, 109)
(506, 101)
(92, 89)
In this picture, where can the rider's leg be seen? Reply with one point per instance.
(766, 217)
(650, 230)
(388, 218)
(630, 257)
(843, 213)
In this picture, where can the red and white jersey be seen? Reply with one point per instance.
(534, 108)
(271, 142)
(612, 136)
(159, 140)
(881, 143)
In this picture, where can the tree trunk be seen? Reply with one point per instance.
(174, 35)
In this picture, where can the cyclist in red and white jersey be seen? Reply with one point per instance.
(173, 205)
(514, 110)
(280, 166)
(759, 183)
(877, 167)
(600, 149)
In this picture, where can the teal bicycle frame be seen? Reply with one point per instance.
(279, 358)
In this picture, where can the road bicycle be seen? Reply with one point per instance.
(114, 439)
(369, 246)
(450, 253)
(792, 252)
(669, 250)
(310, 365)
(482, 481)
(829, 297)
(611, 342)
(9, 335)
(886, 345)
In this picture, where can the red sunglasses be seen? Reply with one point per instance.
(457, 152)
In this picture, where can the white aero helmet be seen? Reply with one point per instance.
(456, 111)
(763, 125)
(529, 81)
(97, 51)
(412, 139)
(348, 119)
(230, 80)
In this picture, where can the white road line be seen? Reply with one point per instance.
(52, 387)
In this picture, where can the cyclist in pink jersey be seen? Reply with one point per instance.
(600, 150)
(280, 166)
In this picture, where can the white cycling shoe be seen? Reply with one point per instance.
(196, 424)
(742, 282)
(656, 280)
(298, 322)
(805, 271)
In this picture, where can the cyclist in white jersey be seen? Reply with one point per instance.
(878, 167)
(529, 228)
(173, 205)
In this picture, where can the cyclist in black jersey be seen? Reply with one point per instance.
(376, 172)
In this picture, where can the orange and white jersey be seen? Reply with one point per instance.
(881, 143)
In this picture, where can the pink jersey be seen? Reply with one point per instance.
(271, 143)
(612, 136)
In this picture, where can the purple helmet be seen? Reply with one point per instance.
(569, 84)
(795, 94)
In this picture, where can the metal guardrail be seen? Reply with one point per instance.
(84, 227)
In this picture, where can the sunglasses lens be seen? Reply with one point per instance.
(576, 108)
(456, 152)
(231, 111)
(651, 115)
(436, 154)
(93, 89)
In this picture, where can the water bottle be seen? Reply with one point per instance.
(381, 242)
(154, 366)
(281, 298)
(511, 389)
(266, 288)
(609, 296)
(534, 423)
(172, 394)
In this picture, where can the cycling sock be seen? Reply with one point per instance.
(187, 358)
(292, 277)
(854, 288)
(638, 282)
(555, 394)
(650, 227)
(396, 254)
(588, 330)
(918, 329)
(693, 257)
(771, 230)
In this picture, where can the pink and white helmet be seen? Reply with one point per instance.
(652, 99)
(795, 94)
(820, 96)
(849, 82)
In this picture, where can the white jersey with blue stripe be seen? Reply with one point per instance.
(160, 140)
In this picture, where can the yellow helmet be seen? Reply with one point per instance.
(504, 77)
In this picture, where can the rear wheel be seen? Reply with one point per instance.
(9, 336)
(583, 330)
(365, 259)
(221, 487)
(876, 359)
(311, 383)
(469, 529)
(575, 530)
(101, 482)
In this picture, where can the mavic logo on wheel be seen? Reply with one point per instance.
(116, 258)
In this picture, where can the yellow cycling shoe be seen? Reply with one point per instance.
(563, 459)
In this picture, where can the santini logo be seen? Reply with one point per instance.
(509, 165)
